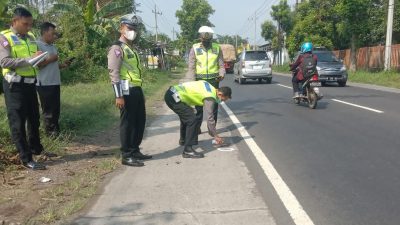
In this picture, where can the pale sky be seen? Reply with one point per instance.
(230, 17)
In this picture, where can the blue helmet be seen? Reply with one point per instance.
(306, 47)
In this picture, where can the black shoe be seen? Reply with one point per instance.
(34, 165)
(139, 155)
(181, 142)
(189, 152)
(131, 162)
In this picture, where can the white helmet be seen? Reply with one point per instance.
(206, 29)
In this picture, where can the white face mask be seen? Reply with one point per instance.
(130, 35)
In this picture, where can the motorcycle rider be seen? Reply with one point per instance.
(304, 66)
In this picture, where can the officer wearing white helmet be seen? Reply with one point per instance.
(126, 77)
(206, 63)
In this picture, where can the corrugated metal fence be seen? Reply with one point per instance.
(371, 58)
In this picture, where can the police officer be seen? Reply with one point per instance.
(126, 77)
(17, 46)
(206, 63)
(181, 98)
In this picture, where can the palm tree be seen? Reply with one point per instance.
(102, 21)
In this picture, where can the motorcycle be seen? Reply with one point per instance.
(310, 91)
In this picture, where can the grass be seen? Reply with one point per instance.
(281, 68)
(384, 78)
(86, 108)
(68, 198)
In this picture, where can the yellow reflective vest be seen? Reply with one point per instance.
(130, 68)
(194, 92)
(206, 61)
(20, 48)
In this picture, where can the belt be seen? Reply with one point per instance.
(207, 76)
(14, 78)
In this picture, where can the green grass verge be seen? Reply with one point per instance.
(384, 78)
(85, 109)
(281, 68)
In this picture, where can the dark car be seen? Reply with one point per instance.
(330, 68)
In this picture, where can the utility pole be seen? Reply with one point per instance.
(255, 31)
(236, 42)
(389, 32)
(155, 17)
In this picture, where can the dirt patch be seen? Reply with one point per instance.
(26, 200)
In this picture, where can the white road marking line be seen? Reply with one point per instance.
(284, 86)
(359, 106)
(290, 201)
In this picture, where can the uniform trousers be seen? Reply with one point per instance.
(189, 122)
(133, 121)
(23, 114)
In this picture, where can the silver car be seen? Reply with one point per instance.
(254, 65)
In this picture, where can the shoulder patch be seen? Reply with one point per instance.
(117, 52)
(4, 43)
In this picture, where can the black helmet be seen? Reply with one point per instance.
(131, 20)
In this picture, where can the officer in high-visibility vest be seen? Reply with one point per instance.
(181, 98)
(206, 63)
(126, 77)
(17, 47)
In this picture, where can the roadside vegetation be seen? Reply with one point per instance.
(384, 78)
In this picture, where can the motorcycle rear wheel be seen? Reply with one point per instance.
(312, 100)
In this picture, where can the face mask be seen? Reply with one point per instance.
(130, 35)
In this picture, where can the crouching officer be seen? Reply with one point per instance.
(206, 63)
(181, 98)
(126, 77)
(17, 47)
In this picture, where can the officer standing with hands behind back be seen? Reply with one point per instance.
(17, 47)
(206, 63)
(126, 77)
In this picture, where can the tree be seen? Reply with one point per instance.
(353, 23)
(315, 22)
(192, 15)
(281, 13)
(268, 30)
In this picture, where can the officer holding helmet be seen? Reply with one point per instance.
(126, 77)
(206, 63)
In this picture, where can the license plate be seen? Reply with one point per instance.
(257, 67)
(331, 78)
(315, 84)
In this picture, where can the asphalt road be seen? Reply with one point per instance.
(341, 160)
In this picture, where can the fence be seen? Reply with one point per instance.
(371, 58)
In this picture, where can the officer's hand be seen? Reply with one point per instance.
(220, 78)
(120, 102)
(219, 140)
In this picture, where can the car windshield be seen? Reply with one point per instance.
(326, 57)
(253, 56)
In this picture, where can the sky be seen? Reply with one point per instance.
(230, 17)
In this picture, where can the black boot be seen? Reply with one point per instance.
(129, 161)
(181, 142)
(189, 152)
(141, 156)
